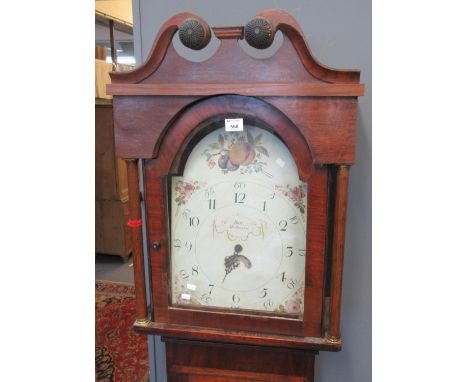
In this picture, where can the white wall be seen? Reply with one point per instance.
(339, 35)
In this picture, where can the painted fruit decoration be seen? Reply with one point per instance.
(237, 151)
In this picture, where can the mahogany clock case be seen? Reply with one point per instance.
(163, 108)
(175, 145)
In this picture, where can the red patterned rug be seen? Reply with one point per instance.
(121, 354)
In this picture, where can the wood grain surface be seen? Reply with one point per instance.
(138, 262)
(341, 200)
(167, 105)
(202, 361)
(327, 124)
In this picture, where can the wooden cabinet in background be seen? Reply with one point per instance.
(112, 236)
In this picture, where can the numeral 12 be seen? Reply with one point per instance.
(239, 197)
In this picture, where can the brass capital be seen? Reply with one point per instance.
(142, 321)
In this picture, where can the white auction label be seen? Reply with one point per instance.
(191, 286)
(234, 124)
(185, 296)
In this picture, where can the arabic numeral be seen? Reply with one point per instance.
(264, 206)
(294, 220)
(194, 221)
(178, 245)
(290, 251)
(264, 292)
(210, 288)
(206, 298)
(239, 197)
(282, 225)
(291, 284)
(209, 193)
(212, 204)
(268, 303)
(186, 214)
(235, 299)
(195, 270)
(283, 276)
(239, 185)
(184, 274)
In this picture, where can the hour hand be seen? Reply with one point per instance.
(233, 261)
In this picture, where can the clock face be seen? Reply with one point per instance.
(238, 225)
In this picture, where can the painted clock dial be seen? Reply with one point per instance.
(238, 225)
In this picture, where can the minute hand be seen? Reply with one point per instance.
(233, 261)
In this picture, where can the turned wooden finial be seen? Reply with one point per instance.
(194, 33)
(259, 33)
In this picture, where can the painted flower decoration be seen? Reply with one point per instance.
(211, 163)
(296, 194)
(237, 152)
(187, 188)
(180, 300)
(184, 190)
(293, 306)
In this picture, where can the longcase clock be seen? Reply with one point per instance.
(245, 171)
